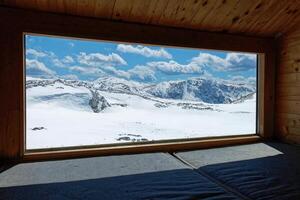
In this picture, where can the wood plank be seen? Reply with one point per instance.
(167, 147)
(139, 11)
(42, 5)
(170, 12)
(11, 84)
(290, 90)
(288, 120)
(289, 78)
(104, 8)
(136, 33)
(205, 8)
(261, 13)
(187, 12)
(248, 17)
(232, 20)
(31, 4)
(289, 12)
(293, 138)
(122, 9)
(85, 7)
(289, 66)
(288, 87)
(155, 11)
(288, 106)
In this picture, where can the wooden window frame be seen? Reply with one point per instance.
(95, 29)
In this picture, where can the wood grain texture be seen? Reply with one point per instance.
(288, 87)
(11, 61)
(248, 17)
(165, 147)
(11, 86)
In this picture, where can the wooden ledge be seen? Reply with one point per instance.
(165, 146)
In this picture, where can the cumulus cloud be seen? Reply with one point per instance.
(50, 56)
(232, 61)
(143, 73)
(100, 60)
(69, 77)
(36, 68)
(60, 62)
(241, 79)
(90, 71)
(35, 53)
(118, 73)
(144, 51)
(140, 73)
(172, 67)
(241, 61)
(68, 60)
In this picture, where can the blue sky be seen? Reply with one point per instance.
(88, 60)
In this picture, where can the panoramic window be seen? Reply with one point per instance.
(82, 92)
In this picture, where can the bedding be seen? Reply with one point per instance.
(258, 171)
(142, 176)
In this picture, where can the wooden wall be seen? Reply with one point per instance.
(11, 79)
(246, 17)
(287, 123)
(14, 22)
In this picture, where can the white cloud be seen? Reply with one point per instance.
(143, 73)
(35, 53)
(119, 73)
(52, 57)
(57, 62)
(241, 79)
(69, 77)
(67, 60)
(237, 78)
(232, 61)
(91, 71)
(172, 67)
(100, 60)
(71, 44)
(144, 51)
(36, 68)
(241, 61)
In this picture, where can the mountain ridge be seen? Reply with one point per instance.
(195, 89)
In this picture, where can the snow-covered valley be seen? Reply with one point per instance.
(62, 113)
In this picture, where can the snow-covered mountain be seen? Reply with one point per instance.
(196, 89)
(113, 84)
(201, 89)
(63, 112)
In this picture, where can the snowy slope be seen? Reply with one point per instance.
(59, 114)
(201, 89)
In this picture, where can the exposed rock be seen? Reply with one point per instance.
(38, 128)
(119, 104)
(98, 102)
(131, 138)
(125, 138)
(161, 105)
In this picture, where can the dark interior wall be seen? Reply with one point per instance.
(11, 80)
(14, 22)
(287, 124)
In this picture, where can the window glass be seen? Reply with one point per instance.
(81, 92)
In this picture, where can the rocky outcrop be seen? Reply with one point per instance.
(98, 102)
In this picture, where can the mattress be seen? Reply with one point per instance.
(143, 176)
(258, 171)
